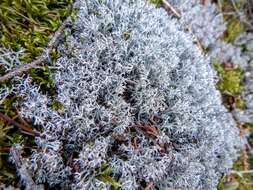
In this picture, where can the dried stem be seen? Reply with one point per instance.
(22, 127)
(196, 39)
(23, 68)
(39, 61)
(171, 8)
(150, 185)
(245, 158)
(21, 119)
(243, 172)
(249, 148)
(5, 149)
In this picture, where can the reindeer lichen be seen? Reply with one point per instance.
(140, 110)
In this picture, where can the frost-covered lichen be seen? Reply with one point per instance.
(137, 96)
(238, 53)
(204, 18)
(224, 46)
(208, 24)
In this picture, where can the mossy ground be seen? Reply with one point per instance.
(28, 24)
(230, 85)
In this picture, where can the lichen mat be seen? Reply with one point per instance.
(139, 106)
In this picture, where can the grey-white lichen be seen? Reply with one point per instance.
(208, 25)
(205, 19)
(139, 97)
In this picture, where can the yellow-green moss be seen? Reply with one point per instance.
(234, 28)
(230, 80)
(28, 24)
(56, 105)
(104, 175)
(234, 25)
(157, 3)
(239, 103)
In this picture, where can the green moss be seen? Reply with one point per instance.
(248, 126)
(234, 28)
(43, 77)
(56, 105)
(234, 25)
(230, 80)
(157, 3)
(28, 24)
(239, 103)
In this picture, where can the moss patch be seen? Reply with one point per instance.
(26, 25)
(104, 174)
(234, 28)
(230, 79)
(157, 3)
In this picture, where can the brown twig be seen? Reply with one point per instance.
(23, 68)
(171, 8)
(196, 39)
(148, 129)
(135, 144)
(39, 61)
(245, 158)
(153, 132)
(56, 38)
(5, 149)
(21, 119)
(249, 148)
(148, 187)
(22, 127)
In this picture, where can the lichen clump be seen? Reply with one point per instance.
(138, 106)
